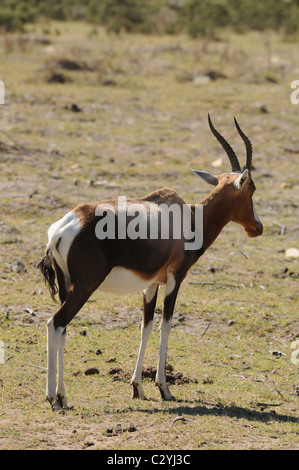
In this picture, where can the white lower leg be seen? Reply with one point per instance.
(160, 377)
(53, 337)
(136, 378)
(60, 392)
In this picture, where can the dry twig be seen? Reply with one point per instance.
(181, 418)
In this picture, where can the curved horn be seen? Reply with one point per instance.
(229, 151)
(248, 146)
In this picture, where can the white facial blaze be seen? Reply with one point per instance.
(255, 215)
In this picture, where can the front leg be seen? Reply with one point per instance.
(171, 291)
(160, 376)
(149, 303)
(137, 376)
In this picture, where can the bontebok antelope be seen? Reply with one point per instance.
(105, 245)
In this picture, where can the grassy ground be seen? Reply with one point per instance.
(144, 104)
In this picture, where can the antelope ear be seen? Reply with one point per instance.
(208, 177)
(241, 180)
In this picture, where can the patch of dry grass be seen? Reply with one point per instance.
(143, 116)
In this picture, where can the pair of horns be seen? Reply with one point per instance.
(228, 149)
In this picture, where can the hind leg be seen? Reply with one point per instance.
(60, 391)
(56, 330)
(171, 291)
(55, 347)
(55, 344)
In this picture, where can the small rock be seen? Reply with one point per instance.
(88, 444)
(36, 292)
(58, 78)
(112, 359)
(292, 253)
(115, 370)
(207, 380)
(132, 428)
(29, 310)
(217, 163)
(276, 353)
(76, 108)
(69, 64)
(262, 107)
(91, 371)
(108, 82)
(201, 80)
(215, 74)
(18, 267)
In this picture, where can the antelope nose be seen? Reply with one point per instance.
(260, 228)
(256, 231)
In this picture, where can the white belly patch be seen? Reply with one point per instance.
(123, 281)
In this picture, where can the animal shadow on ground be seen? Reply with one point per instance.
(204, 409)
(229, 411)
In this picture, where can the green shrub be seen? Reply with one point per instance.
(205, 17)
(196, 17)
(10, 20)
(128, 15)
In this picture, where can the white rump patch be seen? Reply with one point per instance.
(64, 229)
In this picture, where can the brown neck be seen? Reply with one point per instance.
(216, 214)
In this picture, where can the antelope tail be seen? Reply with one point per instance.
(46, 268)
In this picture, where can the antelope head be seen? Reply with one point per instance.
(236, 186)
